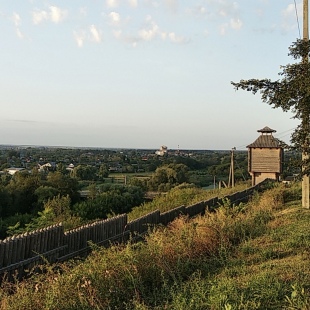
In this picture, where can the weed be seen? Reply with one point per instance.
(251, 256)
(298, 299)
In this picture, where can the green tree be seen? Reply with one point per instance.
(61, 168)
(93, 191)
(290, 93)
(85, 172)
(115, 200)
(142, 183)
(44, 193)
(168, 176)
(22, 191)
(4, 201)
(56, 210)
(64, 184)
(103, 172)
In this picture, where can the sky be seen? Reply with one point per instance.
(141, 73)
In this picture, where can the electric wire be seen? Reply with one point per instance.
(296, 12)
(281, 134)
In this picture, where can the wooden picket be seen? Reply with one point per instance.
(25, 251)
(169, 216)
(196, 209)
(138, 227)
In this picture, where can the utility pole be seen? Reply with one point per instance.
(305, 20)
(305, 116)
(231, 178)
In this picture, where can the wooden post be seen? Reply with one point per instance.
(305, 20)
(231, 178)
(232, 168)
(305, 117)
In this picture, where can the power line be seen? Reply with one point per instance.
(296, 12)
(278, 135)
(284, 133)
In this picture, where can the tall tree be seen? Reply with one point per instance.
(168, 176)
(290, 93)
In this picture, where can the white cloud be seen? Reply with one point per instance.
(147, 35)
(115, 18)
(235, 24)
(79, 38)
(95, 34)
(112, 3)
(16, 19)
(164, 35)
(133, 3)
(19, 33)
(223, 29)
(289, 17)
(215, 9)
(227, 8)
(177, 39)
(54, 14)
(39, 16)
(17, 22)
(290, 11)
(92, 34)
(151, 30)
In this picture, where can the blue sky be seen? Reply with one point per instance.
(141, 73)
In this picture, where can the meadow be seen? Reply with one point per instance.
(246, 256)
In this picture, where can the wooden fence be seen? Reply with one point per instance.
(52, 244)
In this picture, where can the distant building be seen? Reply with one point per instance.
(265, 157)
(47, 167)
(162, 151)
(70, 167)
(289, 179)
(13, 170)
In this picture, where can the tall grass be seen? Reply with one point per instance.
(224, 260)
(182, 195)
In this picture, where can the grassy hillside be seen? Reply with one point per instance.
(183, 194)
(253, 256)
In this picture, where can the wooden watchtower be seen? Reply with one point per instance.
(265, 157)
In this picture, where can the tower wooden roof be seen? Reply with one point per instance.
(266, 129)
(266, 139)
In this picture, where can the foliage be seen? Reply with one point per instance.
(55, 210)
(85, 172)
(291, 93)
(138, 182)
(44, 193)
(114, 200)
(103, 172)
(64, 184)
(210, 262)
(14, 224)
(168, 176)
(21, 189)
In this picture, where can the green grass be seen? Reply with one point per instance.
(181, 195)
(253, 256)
